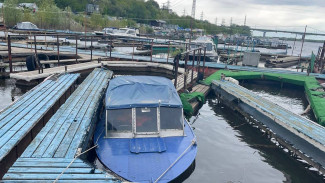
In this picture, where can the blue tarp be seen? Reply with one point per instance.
(141, 91)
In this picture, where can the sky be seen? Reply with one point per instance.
(273, 14)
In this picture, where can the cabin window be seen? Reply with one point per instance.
(119, 120)
(171, 118)
(146, 119)
(209, 47)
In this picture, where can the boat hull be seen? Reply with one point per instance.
(115, 154)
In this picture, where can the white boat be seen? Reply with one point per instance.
(106, 31)
(211, 49)
(125, 32)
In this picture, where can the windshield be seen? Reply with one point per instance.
(146, 120)
(119, 120)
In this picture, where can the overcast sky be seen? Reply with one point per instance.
(273, 14)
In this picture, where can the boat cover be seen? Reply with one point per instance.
(141, 91)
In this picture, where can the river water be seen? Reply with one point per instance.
(231, 150)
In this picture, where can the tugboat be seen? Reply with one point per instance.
(143, 136)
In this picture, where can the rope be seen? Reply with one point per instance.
(192, 143)
(58, 177)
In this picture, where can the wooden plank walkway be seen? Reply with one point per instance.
(205, 89)
(66, 135)
(180, 79)
(303, 134)
(34, 75)
(21, 121)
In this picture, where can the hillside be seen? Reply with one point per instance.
(139, 11)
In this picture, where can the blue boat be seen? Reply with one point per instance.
(143, 136)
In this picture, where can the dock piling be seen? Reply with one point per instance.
(151, 50)
(58, 45)
(9, 53)
(77, 48)
(193, 60)
(91, 48)
(204, 54)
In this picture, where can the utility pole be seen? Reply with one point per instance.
(216, 21)
(193, 18)
(201, 16)
(302, 45)
(245, 21)
(230, 21)
(193, 9)
(184, 13)
(223, 22)
(168, 5)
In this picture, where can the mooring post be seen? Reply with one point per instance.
(133, 50)
(185, 71)
(9, 53)
(91, 48)
(204, 54)
(151, 50)
(36, 57)
(58, 45)
(168, 50)
(198, 63)
(77, 48)
(176, 70)
(110, 48)
(193, 60)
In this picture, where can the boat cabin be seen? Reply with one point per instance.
(142, 106)
(204, 41)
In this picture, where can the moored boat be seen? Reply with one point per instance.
(142, 135)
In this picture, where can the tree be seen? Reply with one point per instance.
(12, 14)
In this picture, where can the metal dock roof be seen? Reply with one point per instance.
(64, 137)
(21, 121)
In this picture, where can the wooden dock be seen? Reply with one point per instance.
(205, 89)
(121, 66)
(22, 120)
(303, 137)
(64, 138)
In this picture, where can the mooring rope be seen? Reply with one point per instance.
(58, 177)
(192, 143)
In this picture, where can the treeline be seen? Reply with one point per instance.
(66, 14)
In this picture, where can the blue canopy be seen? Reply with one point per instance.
(141, 91)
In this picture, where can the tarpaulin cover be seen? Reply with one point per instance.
(141, 91)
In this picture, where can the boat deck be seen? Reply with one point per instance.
(301, 133)
(64, 137)
(22, 120)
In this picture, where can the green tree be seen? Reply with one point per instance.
(12, 14)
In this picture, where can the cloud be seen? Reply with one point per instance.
(293, 14)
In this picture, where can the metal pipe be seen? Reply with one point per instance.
(176, 71)
(91, 48)
(302, 46)
(186, 70)
(199, 62)
(9, 54)
(193, 60)
(58, 45)
(110, 48)
(151, 50)
(36, 57)
(205, 49)
(133, 50)
(77, 48)
(168, 50)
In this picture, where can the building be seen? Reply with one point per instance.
(158, 23)
(92, 8)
